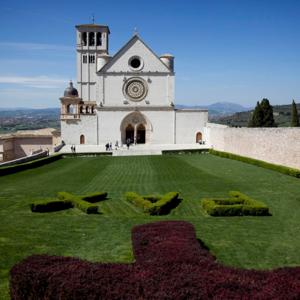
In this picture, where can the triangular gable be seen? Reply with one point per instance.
(135, 47)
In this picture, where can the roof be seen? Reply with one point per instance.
(30, 133)
(92, 26)
(128, 44)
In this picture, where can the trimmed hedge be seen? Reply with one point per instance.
(87, 154)
(68, 200)
(78, 202)
(51, 205)
(281, 169)
(94, 197)
(29, 165)
(238, 205)
(154, 205)
(185, 151)
(170, 264)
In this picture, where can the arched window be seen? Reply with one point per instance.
(81, 109)
(84, 38)
(91, 39)
(93, 109)
(87, 109)
(82, 139)
(70, 109)
(198, 137)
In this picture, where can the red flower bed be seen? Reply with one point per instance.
(170, 264)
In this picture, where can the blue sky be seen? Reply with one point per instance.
(238, 51)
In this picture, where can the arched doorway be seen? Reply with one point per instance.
(82, 139)
(198, 137)
(129, 133)
(137, 127)
(141, 134)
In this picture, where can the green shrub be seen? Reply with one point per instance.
(138, 201)
(165, 204)
(154, 205)
(85, 206)
(50, 205)
(152, 198)
(94, 197)
(239, 205)
(282, 169)
(78, 202)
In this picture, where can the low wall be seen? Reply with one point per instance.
(25, 159)
(275, 145)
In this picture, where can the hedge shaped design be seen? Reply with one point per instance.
(170, 263)
(238, 205)
(67, 200)
(154, 205)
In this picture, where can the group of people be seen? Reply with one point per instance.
(108, 146)
(73, 149)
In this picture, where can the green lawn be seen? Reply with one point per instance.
(248, 242)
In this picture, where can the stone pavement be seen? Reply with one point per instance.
(141, 149)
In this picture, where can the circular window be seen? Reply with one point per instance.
(135, 89)
(135, 63)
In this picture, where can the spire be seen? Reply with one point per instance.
(93, 19)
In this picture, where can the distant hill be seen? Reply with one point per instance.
(282, 116)
(227, 113)
(219, 108)
(12, 120)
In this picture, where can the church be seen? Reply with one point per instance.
(127, 96)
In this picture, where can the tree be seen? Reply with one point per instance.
(295, 117)
(257, 116)
(267, 111)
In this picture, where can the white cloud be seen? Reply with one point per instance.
(35, 82)
(35, 46)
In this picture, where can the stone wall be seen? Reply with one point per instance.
(24, 146)
(275, 145)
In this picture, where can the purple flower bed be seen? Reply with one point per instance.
(170, 264)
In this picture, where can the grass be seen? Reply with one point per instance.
(248, 242)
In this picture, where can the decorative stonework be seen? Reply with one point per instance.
(135, 89)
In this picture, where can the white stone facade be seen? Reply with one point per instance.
(275, 145)
(127, 96)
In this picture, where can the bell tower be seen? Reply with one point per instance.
(91, 43)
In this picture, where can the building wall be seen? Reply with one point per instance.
(275, 145)
(6, 149)
(151, 63)
(160, 90)
(188, 123)
(71, 130)
(160, 122)
(24, 146)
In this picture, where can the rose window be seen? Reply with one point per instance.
(135, 89)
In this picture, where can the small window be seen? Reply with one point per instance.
(91, 59)
(84, 59)
(91, 39)
(99, 39)
(82, 139)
